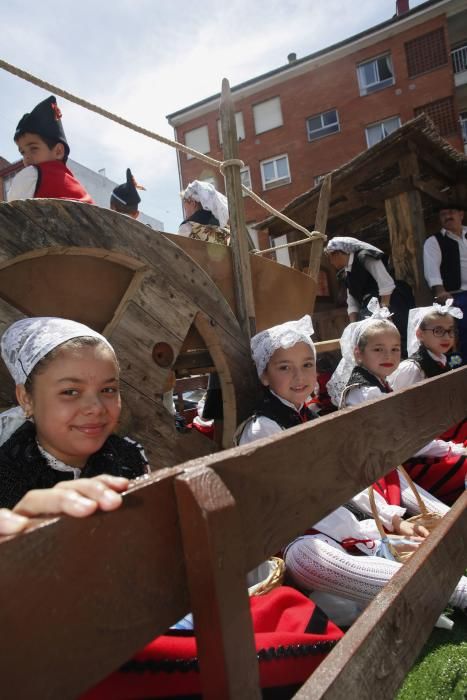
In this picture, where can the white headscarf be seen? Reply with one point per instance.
(285, 335)
(27, 342)
(209, 198)
(417, 315)
(348, 342)
(347, 244)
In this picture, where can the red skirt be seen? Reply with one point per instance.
(444, 477)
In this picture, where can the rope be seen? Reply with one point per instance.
(24, 75)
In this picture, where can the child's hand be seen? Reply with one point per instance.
(403, 527)
(77, 498)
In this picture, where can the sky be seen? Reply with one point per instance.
(144, 59)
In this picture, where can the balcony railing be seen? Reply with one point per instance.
(459, 59)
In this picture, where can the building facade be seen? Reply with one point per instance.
(304, 119)
(96, 183)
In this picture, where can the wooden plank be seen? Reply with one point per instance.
(386, 639)
(239, 239)
(84, 595)
(406, 225)
(214, 551)
(327, 345)
(316, 250)
(301, 475)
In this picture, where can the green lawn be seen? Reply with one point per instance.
(440, 672)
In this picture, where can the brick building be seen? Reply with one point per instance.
(305, 118)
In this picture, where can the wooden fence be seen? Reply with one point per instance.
(79, 597)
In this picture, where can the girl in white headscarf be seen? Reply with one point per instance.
(206, 212)
(342, 583)
(67, 387)
(441, 467)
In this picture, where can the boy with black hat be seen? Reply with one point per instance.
(42, 143)
(125, 197)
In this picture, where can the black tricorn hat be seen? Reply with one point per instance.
(128, 192)
(44, 120)
(450, 205)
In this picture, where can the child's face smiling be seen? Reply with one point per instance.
(35, 151)
(75, 403)
(382, 353)
(438, 346)
(291, 373)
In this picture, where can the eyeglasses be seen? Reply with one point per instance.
(440, 332)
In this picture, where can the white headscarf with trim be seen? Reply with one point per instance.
(210, 199)
(347, 244)
(285, 335)
(24, 344)
(348, 342)
(417, 315)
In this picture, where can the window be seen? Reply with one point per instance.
(245, 177)
(267, 115)
(238, 123)
(198, 139)
(275, 172)
(322, 124)
(282, 255)
(375, 74)
(377, 132)
(426, 52)
(442, 113)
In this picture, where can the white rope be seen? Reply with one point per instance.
(24, 75)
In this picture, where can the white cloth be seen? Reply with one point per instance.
(285, 335)
(417, 315)
(24, 184)
(10, 421)
(348, 342)
(409, 372)
(381, 276)
(27, 341)
(210, 199)
(348, 244)
(432, 259)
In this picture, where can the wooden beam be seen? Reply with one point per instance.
(239, 238)
(387, 638)
(85, 594)
(316, 250)
(406, 226)
(214, 552)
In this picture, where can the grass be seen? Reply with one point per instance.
(440, 672)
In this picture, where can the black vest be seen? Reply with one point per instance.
(273, 408)
(424, 360)
(360, 283)
(23, 467)
(450, 268)
(362, 377)
(202, 216)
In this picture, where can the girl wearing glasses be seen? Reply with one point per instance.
(441, 466)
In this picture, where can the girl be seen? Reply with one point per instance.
(67, 387)
(285, 361)
(206, 213)
(441, 467)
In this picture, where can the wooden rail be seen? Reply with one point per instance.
(81, 596)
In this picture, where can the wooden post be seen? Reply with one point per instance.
(214, 555)
(321, 221)
(239, 240)
(406, 226)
